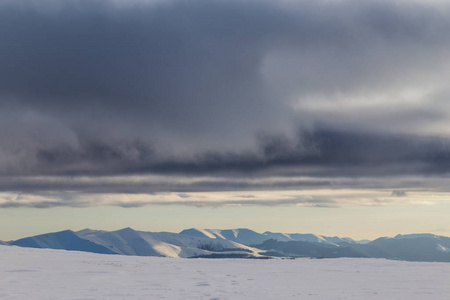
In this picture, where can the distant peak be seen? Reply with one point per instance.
(190, 229)
(127, 229)
(65, 231)
(416, 235)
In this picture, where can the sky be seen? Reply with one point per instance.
(327, 116)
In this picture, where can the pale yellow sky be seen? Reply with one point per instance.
(358, 222)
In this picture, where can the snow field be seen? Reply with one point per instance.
(27, 273)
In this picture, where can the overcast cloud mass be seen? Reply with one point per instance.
(154, 98)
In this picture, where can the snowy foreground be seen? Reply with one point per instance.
(27, 273)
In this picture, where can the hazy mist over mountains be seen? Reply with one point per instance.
(241, 243)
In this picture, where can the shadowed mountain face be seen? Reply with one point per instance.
(67, 240)
(309, 237)
(240, 243)
(409, 247)
(309, 249)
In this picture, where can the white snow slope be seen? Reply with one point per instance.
(27, 273)
(131, 242)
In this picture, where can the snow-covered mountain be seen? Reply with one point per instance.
(250, 237)
(441, 238)
(241, 243)
(131, 242)
(67, 240)
(309, 249)
(442, 242)
(241, 235)
(308, 237)
(412, 247)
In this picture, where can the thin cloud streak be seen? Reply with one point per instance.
(325, 198)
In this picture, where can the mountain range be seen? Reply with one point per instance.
(240, 243)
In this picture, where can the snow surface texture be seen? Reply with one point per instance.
(27, 273)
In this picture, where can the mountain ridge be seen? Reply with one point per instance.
(240, 243)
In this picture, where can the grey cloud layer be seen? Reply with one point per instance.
(318, 153)
(222, 88)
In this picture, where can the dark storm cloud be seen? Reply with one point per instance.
(318, 153)
(222, 90)
(169, 67)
